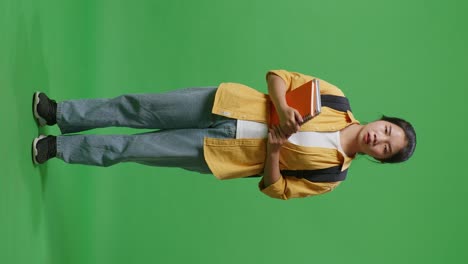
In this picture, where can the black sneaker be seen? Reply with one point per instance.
(44, 148)
(45, 109)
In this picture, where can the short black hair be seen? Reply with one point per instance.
(410, 134)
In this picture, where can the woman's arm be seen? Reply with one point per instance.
(290, 119)
(275, 185)
(272, 171)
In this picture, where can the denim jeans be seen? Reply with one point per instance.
(183, 118)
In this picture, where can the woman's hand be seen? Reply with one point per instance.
(290, 120)
(276, 138)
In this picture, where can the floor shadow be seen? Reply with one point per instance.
(28, 71)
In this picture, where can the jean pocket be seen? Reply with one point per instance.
(230, 128)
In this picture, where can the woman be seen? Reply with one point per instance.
(223, 131)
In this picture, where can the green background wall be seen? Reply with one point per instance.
(402, 58)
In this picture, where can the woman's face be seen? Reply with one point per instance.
(381, 139)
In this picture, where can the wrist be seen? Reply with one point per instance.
(283, 106)
(273, 153)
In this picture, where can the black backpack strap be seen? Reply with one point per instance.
(338, 103)
(332, 174)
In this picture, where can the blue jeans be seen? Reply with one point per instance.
(183, 118)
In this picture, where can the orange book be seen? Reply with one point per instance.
(305, 99)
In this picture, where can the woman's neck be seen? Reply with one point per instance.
(349, 139)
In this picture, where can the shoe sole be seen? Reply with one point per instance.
(40, 120)
(34, 149)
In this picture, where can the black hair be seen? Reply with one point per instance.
(405, 153)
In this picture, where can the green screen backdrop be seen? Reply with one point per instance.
(401, 58)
